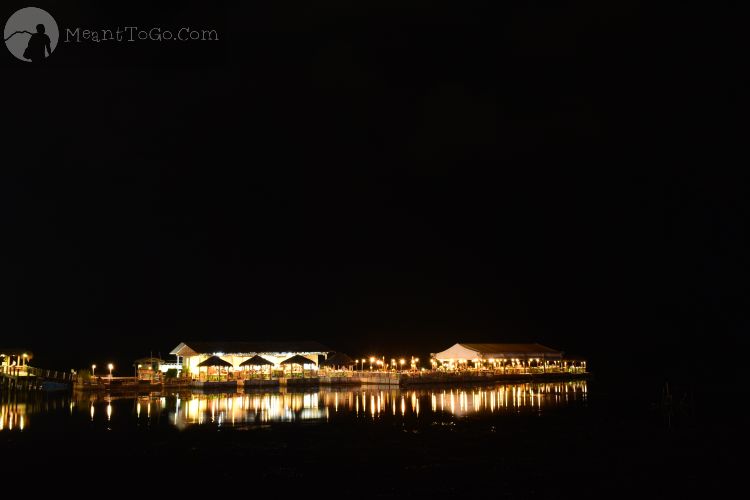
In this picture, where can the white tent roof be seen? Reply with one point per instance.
(457, 352)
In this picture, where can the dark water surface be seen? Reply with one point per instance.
(550, 440)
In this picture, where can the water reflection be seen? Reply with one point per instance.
(10, 417)
(241, 408)
(187, 409)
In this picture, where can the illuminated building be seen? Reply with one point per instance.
(498, 355)
(190, 354)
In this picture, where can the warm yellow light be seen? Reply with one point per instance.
(139, 366)
(110, 366)
(93, 367)
(25, 355)
(492, 360)
(402, 361)
(372, 359)
(416, 360)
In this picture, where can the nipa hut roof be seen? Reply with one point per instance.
(214, 361)
(298, 360)
(256, 361)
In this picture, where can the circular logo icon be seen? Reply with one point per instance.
(31, 34)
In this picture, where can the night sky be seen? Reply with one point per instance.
(381, 176)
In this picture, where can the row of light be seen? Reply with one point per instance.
(380, 362)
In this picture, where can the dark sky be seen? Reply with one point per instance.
(380, 176)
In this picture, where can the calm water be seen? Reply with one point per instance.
(321, 406)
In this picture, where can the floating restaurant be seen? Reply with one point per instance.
(236, 359)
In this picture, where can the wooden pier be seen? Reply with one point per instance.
(28, 378)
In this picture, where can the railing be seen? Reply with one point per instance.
(40, 373)
(50, 374)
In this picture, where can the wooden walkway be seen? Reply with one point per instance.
(29, 378)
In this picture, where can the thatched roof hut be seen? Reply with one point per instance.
(256, 361)
(338, 359)
(298, 360)
(214, 361)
